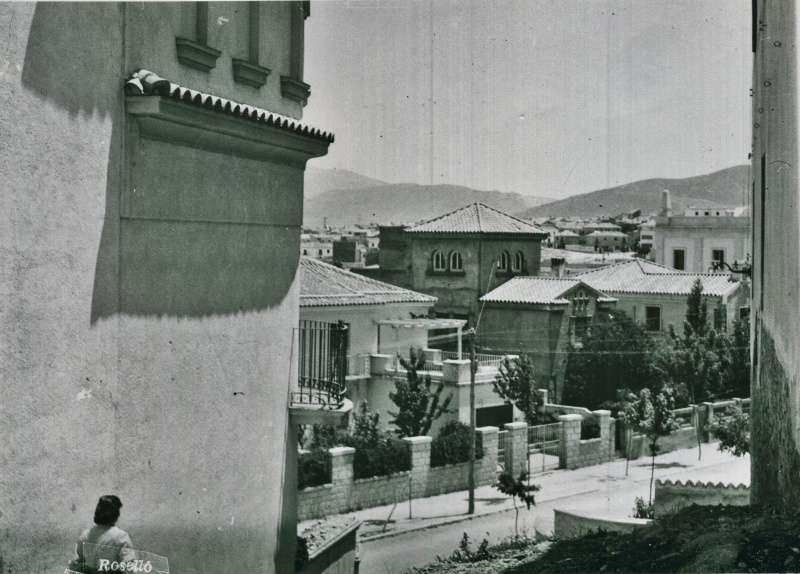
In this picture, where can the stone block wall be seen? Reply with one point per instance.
(577, 453)
(670, 496)
(345, 494)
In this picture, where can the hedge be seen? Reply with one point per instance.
(590, 428)
(313, 469)
(380, 459)
(451, 445)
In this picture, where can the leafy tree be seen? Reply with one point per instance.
(417, 405)
(627, 412)
(616, 354)
(696, 322)
(733, 431)
(517, 488)
(516, 384)
(656, 421)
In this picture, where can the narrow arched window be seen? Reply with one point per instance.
(519, 260)
(455, 261)
(439, 262)
(503, 265)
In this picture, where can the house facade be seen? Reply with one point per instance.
(543, 318)
(655, 296)
(775, 387)
(152, 207)
(701, 237)
(460, 256)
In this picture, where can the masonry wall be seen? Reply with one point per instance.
(775, 433)
(143, 355)
(671, 496)
(345, 494)
(698, 237)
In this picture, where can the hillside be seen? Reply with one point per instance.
(319, 180)
(403, 203)
(728, 187)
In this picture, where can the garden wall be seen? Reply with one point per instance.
(345, 494)
(670, 496)
(569, 524)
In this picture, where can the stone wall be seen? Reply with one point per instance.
(670, 496)
(577, 453)
(345, 494)
(569, 524)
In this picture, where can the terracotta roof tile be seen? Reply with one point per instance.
(532, 290)
(639, 276)
(324, 285)
(146, 83)
(477, 218)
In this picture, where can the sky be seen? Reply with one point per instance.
(544, 98)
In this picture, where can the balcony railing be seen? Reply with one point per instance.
(483, 359)
(322, 364)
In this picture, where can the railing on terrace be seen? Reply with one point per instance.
(503, 446)
(358, 366)
(483, 359)
(322, 364)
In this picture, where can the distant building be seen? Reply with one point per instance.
(700, 237)
(350, 251)
(655, 295)
(541, 317)
(607, 240)
(317, 246)
(459, 257)
(567, 237)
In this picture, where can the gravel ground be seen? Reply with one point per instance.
(320, 531)
(506, 554)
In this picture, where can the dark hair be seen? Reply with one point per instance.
(107, 511)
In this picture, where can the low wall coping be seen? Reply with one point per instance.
(570, 417)
(404, 473)
(602, 413)
(515, 426)
(487, 430)
(591, 440)
(691, 483)
(456, 361)
(614, 520)
(416, 440)
(341, 450)
(381, 356)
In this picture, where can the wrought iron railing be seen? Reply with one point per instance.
(322, 364)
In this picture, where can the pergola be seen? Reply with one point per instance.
(427, 324)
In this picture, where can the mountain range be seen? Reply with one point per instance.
(727, 188)
(341, 198)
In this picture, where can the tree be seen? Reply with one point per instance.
(517, 488)
(656, 421)
(733, 431)
(616, 354)
(696, 322)
(628, 413)
(417, 405)
(516, 384)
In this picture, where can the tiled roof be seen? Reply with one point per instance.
(477, 218)
(542, 290)
(606, 234)
(323, 285)
(639, 276)
(146, 83)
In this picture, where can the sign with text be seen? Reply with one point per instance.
(101, 559)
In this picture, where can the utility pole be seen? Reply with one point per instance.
(473, 367)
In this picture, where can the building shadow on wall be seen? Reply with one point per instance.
(74, 59)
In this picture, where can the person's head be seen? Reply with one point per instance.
(107, 511)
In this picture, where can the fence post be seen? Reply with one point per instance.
(709, 408)
(488, 464)
(419, 450)
(570, 441)
(517, 447)
(342, 477)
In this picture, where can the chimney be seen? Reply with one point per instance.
(557, 265)
(666, 204)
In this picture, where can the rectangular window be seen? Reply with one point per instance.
(653, 318)
(720, 319)
(679, 259)
(717, 256)
(580, 326)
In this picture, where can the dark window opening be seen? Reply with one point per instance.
(652, 318)
(679, 259)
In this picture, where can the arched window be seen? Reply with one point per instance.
(455, 261)
(519, 260)
(439, 262)
(503, 265)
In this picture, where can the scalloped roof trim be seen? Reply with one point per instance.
(691, 483)
(146, 83)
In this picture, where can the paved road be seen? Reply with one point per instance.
(614, 496)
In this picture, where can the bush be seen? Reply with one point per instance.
(313, 469)
(380, 459)
(643, 510)
(590, 428)
(451, 445)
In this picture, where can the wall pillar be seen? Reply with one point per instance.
(342, 477)
(488, 464)
(419, 450)
(709, 418)
(570, 441)
(517, 448)
(606, 436)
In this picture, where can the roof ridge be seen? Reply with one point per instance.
(478, 212)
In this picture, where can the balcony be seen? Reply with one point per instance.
(319, 396)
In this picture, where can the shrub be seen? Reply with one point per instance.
(643, 510)
(733, 431)
(451, 445)
(380, 459)
(313, 469)
(590, 428)
(466, 554)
